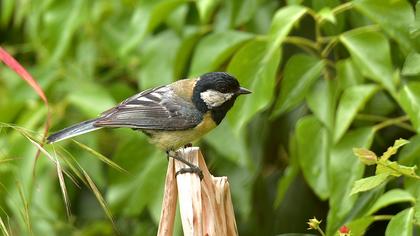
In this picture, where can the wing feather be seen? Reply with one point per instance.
(156, 109)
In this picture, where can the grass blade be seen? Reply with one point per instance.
(100, 198)
(101, 157)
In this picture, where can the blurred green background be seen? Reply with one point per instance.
(326, 76)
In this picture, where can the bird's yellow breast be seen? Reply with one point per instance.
(171, 140)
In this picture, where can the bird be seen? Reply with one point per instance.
(172, 115)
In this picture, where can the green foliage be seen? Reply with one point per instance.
(329, 78)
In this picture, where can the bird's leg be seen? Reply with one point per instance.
(191, 167)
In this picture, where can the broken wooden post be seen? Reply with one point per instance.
(205, 206)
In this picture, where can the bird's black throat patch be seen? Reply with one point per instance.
(218, 81)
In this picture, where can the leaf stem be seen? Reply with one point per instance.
(343, 7)
(382, 217)
(389, 122)
(398, 171)
(301, 41)
(305, 44)
(333, 41)
(320, 231)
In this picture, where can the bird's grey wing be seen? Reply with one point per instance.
(156, 109)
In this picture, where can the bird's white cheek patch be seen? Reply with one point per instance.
(214, 98)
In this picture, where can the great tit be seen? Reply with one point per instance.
(172, 115)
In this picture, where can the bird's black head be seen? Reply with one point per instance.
(216, 92)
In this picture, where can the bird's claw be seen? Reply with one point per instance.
(194, 170)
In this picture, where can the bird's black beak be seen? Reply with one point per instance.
(243, 91)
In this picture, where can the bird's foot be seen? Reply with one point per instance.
(194, 170)
(188, 145)
(191, 167)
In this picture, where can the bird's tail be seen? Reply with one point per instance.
(74, 130)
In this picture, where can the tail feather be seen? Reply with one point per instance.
(74, 130)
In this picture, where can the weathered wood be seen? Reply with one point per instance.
(167, 215)
(205, 206)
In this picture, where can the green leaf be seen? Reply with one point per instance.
(89, 97)
(236, 151)
(213, 50)
(391, 197)
(300, 72)
(241, 11)
(282, 23)
(352, 101)
(393, 150)
(6, 12)
(348, 74)
(326, 14)
(126, 193)
(411, 64)
(144, 20)
(161, 11)
(410, 152)
(417, 210)
(70, 26)
(366, 156)
(371, 52)
(359, 226)
(409, 99)
(256, 74)
(395, 169)
(290, 173)
(392, 16)
(321, 99)
(185, 50)
(368, 183)
(313, 146)
(344, 169)
(206, 9)
(158, 60)
(401, 224)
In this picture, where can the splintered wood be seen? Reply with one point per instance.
(205, 206)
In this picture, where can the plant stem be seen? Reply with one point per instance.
(305, 44)
(329, 46)
(383, 119)
(320, 231)
(393, 121)
(301, 41)
(396, 170)
(382, 217)
(343, 7)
